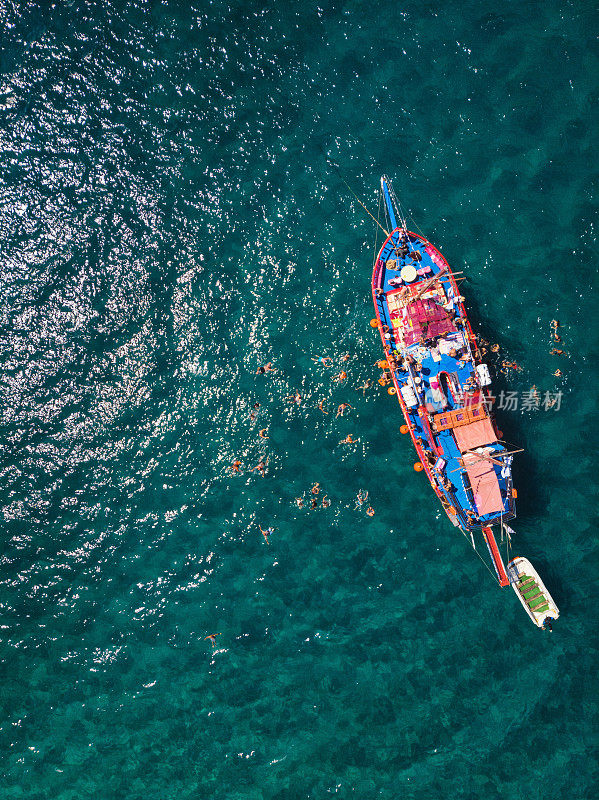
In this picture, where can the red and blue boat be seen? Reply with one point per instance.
(435, 369)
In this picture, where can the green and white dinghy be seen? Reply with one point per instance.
(533, 594)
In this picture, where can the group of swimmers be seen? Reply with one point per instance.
(506, 366)
(361, 499)
(315, 491)
(556, 351)
(296, 399)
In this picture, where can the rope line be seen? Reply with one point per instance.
(376, 230)
(332, 163)
(487, 567)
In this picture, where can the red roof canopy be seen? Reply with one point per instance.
(428, 319)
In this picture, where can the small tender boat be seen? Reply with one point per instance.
(531, 591)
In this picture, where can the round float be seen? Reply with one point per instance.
(408, 273)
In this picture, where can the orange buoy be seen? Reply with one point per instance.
(392, 390)
(383, 364)
(514, 493)
(451, 511)
(404, 429)
(382, 381)
(418, 466)
(374, 323)
(500, 434)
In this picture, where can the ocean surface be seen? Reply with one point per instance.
(175, 213)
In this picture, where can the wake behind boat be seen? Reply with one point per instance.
(434, 363)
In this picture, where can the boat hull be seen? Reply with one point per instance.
(440, 458)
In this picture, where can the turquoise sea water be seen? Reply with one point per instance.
(168, 223)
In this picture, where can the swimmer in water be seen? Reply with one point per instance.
(235, 465)
(313, 503)
(341, 377)
(361, 498)
(316, 488)
(212, 637)
(348, 440)
(261, 467)
(266, 368)
(324, 360)
(558, 373)
(341, 409)
(364, 386)
(299, 501)
(320, 406)
(509, 365)
(325, 501)
(293, 398)
(266, 533)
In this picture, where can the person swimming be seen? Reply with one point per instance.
(266, 368)
(261, 467)
(361, 498)
(342, 408)
(324, 360)
(266, 533)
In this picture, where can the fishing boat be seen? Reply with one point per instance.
(433, 365)
(532, 592)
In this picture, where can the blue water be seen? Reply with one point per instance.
(168, 223)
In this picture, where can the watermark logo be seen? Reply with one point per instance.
(529, 400)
